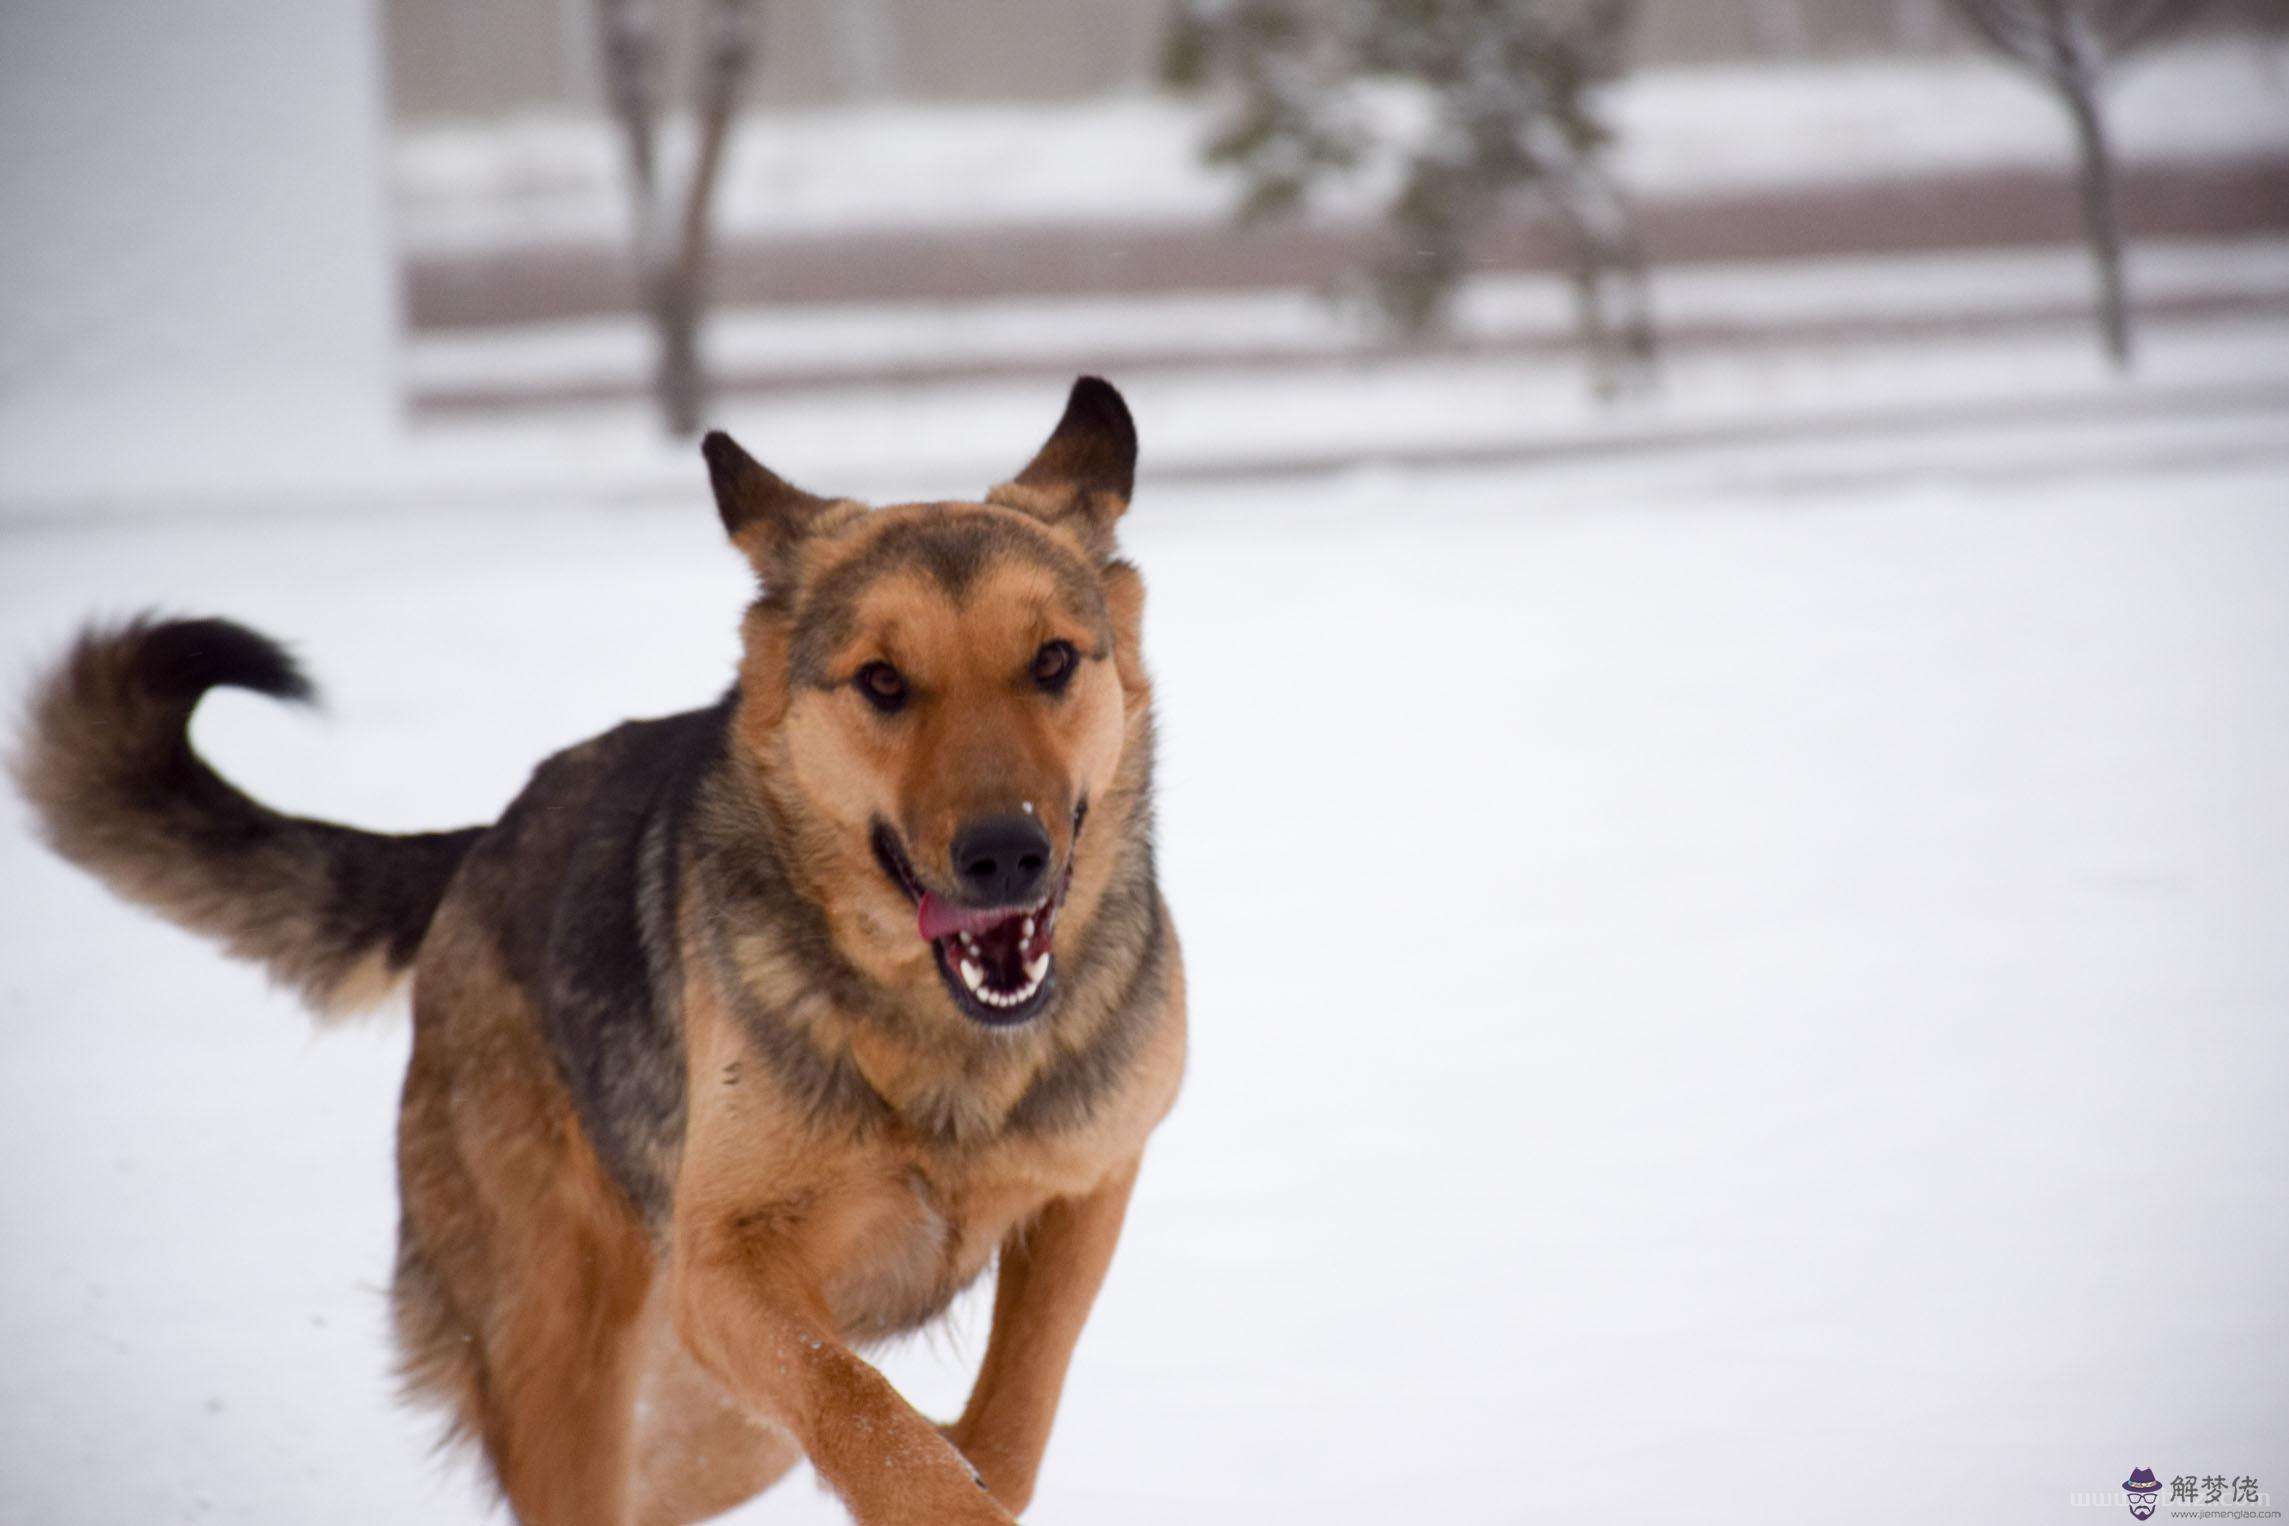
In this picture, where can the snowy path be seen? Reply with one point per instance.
(1722, 1007)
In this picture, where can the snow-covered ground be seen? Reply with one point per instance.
(1737, 941)
(1736, 981)
(1839, 402)
(484, 185)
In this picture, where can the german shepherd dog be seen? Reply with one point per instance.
(747, 1036)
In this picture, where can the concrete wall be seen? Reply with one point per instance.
(484, 56)
(450, 57)
(193, 265)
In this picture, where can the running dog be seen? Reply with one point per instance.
(748, 1036)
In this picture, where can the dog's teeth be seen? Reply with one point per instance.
(1029, 927)
(1035, 968)
(968, 941)
(971, 974)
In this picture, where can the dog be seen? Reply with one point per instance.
(747, 1036)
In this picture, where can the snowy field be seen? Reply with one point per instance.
(1736, 982)
(2026, 392)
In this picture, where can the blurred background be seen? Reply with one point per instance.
(1772, 514)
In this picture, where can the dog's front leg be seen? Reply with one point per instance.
(749, 1313)
(1051, 1269)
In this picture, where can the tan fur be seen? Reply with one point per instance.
(533, 1271)
(621, 1376)
(782, 1244)
(363, 986)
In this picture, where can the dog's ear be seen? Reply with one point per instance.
(765, 515)
(1082, 476)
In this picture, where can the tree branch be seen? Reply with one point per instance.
(2005, 27)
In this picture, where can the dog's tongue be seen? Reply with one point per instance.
(940, 917)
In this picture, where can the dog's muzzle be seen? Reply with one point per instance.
(993, 941)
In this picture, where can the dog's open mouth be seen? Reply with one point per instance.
(1000, 956)
(996, 960)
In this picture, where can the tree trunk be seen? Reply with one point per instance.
(672, 259)
(1613, 305)
(679, 382)
(1598, 347)
(681, 292)
(2101, 215)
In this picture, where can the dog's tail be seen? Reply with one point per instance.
(106, 761)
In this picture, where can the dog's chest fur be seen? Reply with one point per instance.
(903, 1271)
(916, 1244)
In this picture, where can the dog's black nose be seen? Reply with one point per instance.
(1002, 860)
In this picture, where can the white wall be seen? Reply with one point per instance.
(195, 280)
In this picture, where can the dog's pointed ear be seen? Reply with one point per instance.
(1084, 473)
(765, 515)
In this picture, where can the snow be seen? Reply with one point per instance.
(463, 185)
(1306, 402)
(1735, 976)
(1852, 120)
(1735, 940)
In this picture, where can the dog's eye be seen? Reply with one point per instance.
(883, 685)
(1054, 664)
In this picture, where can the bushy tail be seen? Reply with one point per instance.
(106, 761)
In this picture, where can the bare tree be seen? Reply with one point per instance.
(2070, 46)
(671, 233)
(1510, 96)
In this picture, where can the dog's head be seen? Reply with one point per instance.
(942, 699)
